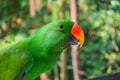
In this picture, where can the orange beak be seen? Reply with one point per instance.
(78, 33)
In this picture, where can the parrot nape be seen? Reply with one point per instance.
(38, 53)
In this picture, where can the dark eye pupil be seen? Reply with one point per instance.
(61, 27)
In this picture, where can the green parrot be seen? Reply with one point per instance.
(38, 53)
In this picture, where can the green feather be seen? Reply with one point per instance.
(45, 47)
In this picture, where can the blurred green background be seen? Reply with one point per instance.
(100, 20)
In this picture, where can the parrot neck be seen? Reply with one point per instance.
(40, 47)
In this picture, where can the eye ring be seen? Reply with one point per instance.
(61, 27)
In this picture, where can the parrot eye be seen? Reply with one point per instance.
(61, 27)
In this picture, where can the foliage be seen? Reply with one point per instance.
(101, 52)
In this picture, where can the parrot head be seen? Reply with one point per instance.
(66, 27)
(56, 35)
